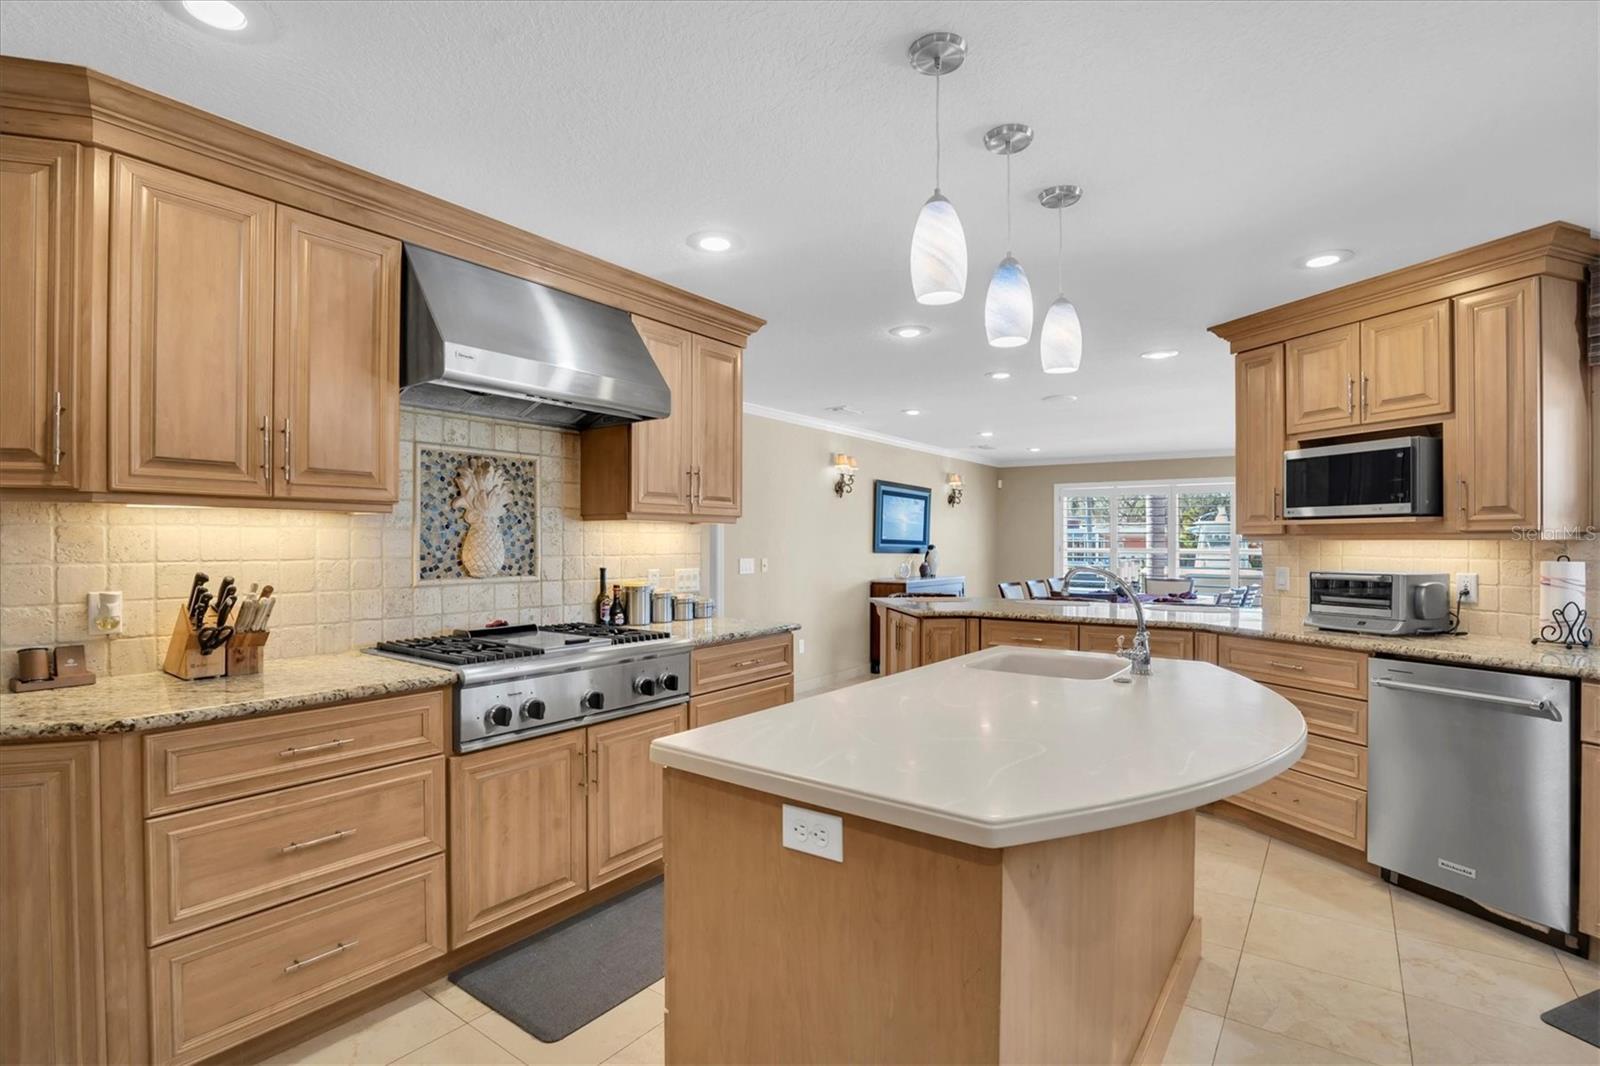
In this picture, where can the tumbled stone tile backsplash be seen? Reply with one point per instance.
(343, 580)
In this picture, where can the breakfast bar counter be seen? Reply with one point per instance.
(1015, 868)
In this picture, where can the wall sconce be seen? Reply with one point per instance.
(953, 481)
(846, 465)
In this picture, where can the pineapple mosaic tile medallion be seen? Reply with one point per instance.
(477, 515)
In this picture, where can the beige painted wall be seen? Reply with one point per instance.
(1025, 521)
(819, 547)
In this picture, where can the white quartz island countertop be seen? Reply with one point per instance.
(971, 751)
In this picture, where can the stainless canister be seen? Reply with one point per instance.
(683, 607)
(661, 606)
(638, 603)
(705, 607)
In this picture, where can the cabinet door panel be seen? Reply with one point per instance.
(662, 460)
(336, 360)
(1320, 373)
(1258, 431)
(50, 985)
(943, 638)
(38, 201)
(1405, 364)
(626, 822)
(746, 699)
(517, 833)
(1495, 467)
(717, 440)
(190, 334)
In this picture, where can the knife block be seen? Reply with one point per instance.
(184, 658)
(246, 651)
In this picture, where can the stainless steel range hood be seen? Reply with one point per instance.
(476, 341)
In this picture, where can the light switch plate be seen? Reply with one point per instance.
(747, 566)
(1280, 579)
(800, 645)
(686, 579)
(813, 832)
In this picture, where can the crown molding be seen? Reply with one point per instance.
(812, 422)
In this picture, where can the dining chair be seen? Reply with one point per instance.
(1037, 589)
(1012, 590)
(1169, 586)
(1057, 585)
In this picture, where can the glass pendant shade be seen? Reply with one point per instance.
(1008, 309)
(938, 253)
(1061, 338)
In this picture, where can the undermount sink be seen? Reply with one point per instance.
(1072, 665)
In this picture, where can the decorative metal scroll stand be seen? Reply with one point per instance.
(1569, 626)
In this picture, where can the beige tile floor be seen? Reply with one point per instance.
(1304, 961)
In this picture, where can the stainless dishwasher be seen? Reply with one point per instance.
(1470, 784)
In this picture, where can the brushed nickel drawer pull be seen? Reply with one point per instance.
(337, 834)
(741, 664)
(1285, 666)
(290, 753)
(341, 946)
(1031, 640)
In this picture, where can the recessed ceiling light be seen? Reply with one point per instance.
(909, 331)
(1033, 449)
(911, 411)
(999, 375)
(1331, 257)
(218, 14)
(987, 433)
(1160, 353)
(711, 242)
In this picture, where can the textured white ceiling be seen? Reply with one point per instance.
(1216, 142)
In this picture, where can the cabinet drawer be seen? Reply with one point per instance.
(993, 632)
(1335, 717)
(1297, 665)
(725, 665)
(746, 699)
(205, 764)
(221, 862)
(216, 989)
(1164, 643)
(1337, 812)
(1591, 713)
(1334, 760)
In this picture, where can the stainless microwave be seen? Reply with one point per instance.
(1370, 478)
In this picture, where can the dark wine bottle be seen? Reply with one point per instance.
(602, 602)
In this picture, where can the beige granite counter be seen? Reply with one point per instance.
(706, 631)
(138, 702)
(1465, 649)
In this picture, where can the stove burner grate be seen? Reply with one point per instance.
(459, 651)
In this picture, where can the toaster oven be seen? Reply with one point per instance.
(1390, 604)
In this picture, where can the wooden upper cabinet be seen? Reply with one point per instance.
(626, 821)
(1494, 463)
(1320, 377)
(38, 351)
(1405, 364)
(717, 439)
(1258, 435)
(51, 992)
(663, 475)
(190, 334)
(336, 361)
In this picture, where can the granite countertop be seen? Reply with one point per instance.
(706, 631)
(1464, 649)
(138, 702)
(1000, 748)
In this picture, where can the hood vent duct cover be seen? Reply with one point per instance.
(476, 341)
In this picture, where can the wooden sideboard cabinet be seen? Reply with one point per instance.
(688, 466)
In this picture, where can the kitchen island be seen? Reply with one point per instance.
(1017, 861)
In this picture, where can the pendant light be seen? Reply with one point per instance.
(938, 243)
(1008, 309)
(1061, 336)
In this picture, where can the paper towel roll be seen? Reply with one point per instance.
(1561, 582)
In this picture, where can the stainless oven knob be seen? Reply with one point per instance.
(594, 701)
(533, 708)
(644, 686)
(668, 682)
(499, 716)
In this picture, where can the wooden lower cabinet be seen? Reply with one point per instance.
(720, 666)
(51, 994)
(1337, 812)
(745, 699)
(1164, 643)
(1336, 717)
(518, 832)
(994, 632)
(1327, 670)
(213, 990)
(625, 796)
(942, 638)
(902, 643)
(1589, 841)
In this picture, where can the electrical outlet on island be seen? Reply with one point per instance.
(686, 579)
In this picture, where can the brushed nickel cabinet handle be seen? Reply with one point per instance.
(329, 745)
(741, 664)
(55, 436)
(1365, 400)
(1285, 666)
(583, 769)
(339, 948)
(593, 766)
(1463, 483)
(1349, 396)
(288, 428)
(266, 449)
(300, 845)
(1277, 509)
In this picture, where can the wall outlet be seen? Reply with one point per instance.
(747, 566)
(763, 564)
(653, 576)
(813, 832)
(686, 579)
(799, 645)
(1280, 579)
(1467, 587)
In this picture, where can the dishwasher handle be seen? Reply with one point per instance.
(1538, 708)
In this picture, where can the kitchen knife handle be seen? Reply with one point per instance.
(266, 449)
(55, 436)
(288, 428)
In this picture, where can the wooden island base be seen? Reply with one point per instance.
(917, 948)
